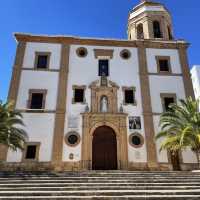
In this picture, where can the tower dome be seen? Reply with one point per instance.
(150, 20)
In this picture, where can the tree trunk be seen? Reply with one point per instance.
(198, 158)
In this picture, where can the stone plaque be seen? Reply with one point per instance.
(73, 122)
(137, 155)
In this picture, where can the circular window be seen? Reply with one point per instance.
(81, 52)
(125, 54)
(72, 139)
(136, 140)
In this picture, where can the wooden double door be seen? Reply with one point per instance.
(104, 149)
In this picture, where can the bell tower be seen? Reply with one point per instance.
(150, 20)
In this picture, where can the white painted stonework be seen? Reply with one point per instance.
(33, 47)
(83, 71)
(38, 80)
(87, 69)
(146, 8)
(172, 53)
(40, 129)
(195, 75)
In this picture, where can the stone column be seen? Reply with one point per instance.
(185, 70)
(58, 137)
(147, 28)
(147, 109)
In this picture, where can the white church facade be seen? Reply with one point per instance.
(95, 103)
(195, 76)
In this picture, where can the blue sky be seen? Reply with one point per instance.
(87, 18)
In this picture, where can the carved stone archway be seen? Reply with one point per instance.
(117, 121)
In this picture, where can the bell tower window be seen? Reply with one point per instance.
(140, 33)
(156, 29)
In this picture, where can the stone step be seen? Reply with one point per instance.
(101, 181)
(134, 197)
(102, 192)
(97, 178)
(100, 185)
(97, 184)
(97, 173)
(95, 187)
(80, 176)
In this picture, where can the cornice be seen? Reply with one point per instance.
(70, 40)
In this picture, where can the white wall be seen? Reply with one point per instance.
(189, 156)
(174, 59)
(145, 9)
(164, 84)
(38, 80)
(39, 127)
(161, 156)
(32, 47)
(195, 75)
(160, 84)
(83, 71)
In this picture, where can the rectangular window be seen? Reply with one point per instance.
(42, 60)
(31, 152)
(129, 96)
(103, 68)
(167, 99)
(167, 102)
(79, 95)
(164, 65)
(36, 101)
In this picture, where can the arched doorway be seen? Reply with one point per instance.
(104, 149)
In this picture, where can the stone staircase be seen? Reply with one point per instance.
(100, 185)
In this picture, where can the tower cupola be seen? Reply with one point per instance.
(150, 20)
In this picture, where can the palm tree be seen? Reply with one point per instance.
(180, 127)
(11, 133)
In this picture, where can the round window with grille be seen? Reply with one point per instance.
(125, 54)
(72, 138)
(81, 52)
(136, 140)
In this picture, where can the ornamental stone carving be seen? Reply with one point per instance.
(101, 93)
(104, 112)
